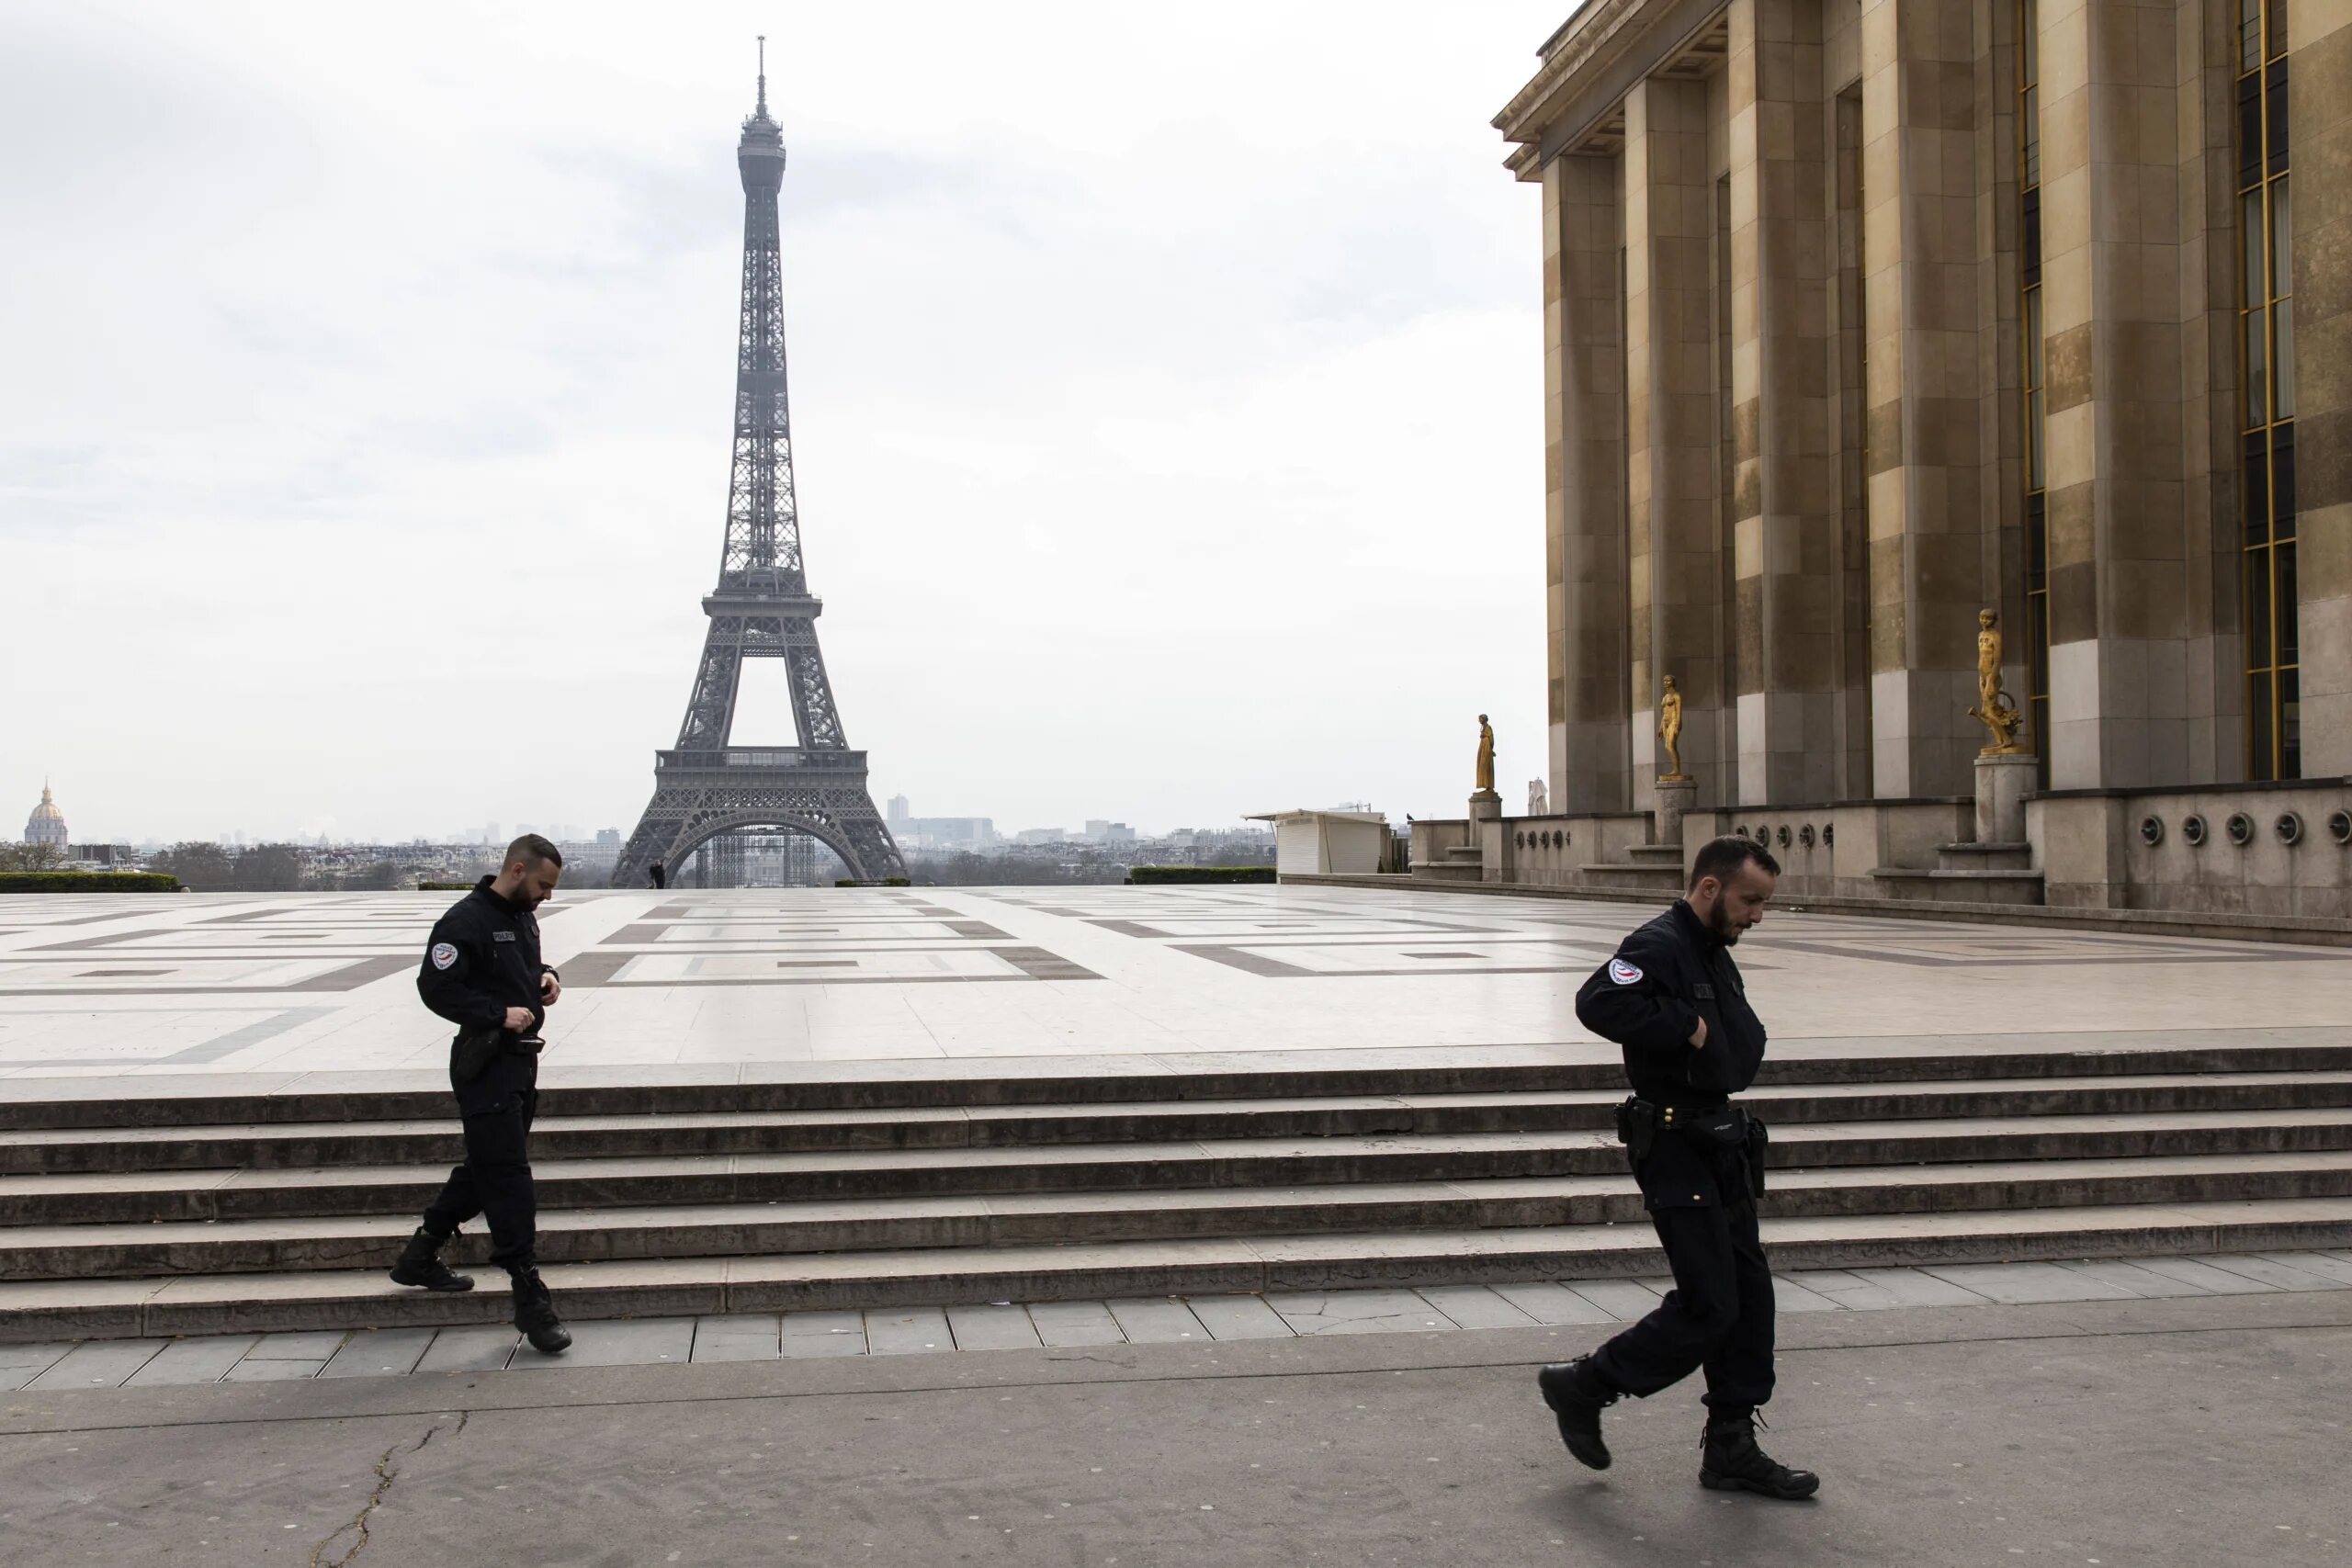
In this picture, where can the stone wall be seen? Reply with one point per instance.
(2139, 850)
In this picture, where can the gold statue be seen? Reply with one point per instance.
(1995, 711)
(1485, 756)
(1669, 730)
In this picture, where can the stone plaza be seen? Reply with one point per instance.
(1199, 1198)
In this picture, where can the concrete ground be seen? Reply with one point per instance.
(2190, 1430)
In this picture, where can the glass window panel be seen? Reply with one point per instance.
(2282, 481)
(2282, 240)
(2029, 117)
(2029, 244)
(2278, 118)
(2249, 129)
(2258, 731)
(2036, 464)
(2278, 10)
(2037, 541)
(2030, 38)
(2037, 621)
(2290, 725)
(2257, 491)
(2034, 344)
(2250, 230)
(2258, 368)
(2282, 360)
(2250, 35)
(2257, 610)
(2289, 623)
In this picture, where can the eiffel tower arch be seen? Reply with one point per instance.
(706, 786)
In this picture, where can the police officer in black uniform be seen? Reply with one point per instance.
(482, 972)
(1672, 998)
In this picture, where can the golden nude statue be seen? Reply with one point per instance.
(1995, 711)
(1669, 730)
(1485, 756)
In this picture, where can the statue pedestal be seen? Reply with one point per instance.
(2002, 784)
(1674, 797)
(1486, 805)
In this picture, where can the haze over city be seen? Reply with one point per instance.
(1167, 402)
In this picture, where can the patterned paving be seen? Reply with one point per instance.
(270, 988)
(766, 1336)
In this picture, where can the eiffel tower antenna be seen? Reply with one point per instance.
(706, 787)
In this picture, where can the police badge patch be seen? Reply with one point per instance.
(444, 954)
(1624, 974)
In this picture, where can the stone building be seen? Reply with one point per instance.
(1863, 315)
(47, 824)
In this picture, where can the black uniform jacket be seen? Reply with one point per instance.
(483, 958)
(1649, 999)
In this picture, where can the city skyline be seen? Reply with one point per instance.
(495, 830)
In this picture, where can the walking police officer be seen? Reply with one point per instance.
(1672, 998)
(482, 972)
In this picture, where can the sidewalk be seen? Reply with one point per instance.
(2191, 1431)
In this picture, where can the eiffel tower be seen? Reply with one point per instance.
(705, 788)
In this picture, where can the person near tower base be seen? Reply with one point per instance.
(483, 972)
(1671, 997)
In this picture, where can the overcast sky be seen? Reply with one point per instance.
(1166, 391)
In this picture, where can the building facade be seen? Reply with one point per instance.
(1863, 315)
(47, 823)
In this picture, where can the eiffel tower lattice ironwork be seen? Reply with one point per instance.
(706, 786)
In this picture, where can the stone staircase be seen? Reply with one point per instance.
(1968, 873)
(193, 1215)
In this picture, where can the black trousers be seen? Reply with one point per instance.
(1718, 1316)
(494, 1182)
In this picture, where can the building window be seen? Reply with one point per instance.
(2037, 498)
(2266, 341)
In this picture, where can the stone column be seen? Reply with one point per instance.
(2116, 478)
(1923, 437)
(1670, 467)
(1584, 474)
(1785, 496)
(2320, 149)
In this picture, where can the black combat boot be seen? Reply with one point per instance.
(1729, 1461)
(420, 1264)
(1576, 1390)
(534, 1315)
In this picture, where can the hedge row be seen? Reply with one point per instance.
(444, 887)
(886, 882)
(1143, 873)
(87, 882)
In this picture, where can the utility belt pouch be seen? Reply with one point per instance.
(1757, 1138)
(472, 1052)
(1637, 1127)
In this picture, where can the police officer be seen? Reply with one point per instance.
(483, 972)
(1672, 998)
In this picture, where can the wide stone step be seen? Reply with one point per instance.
(87, 1252)
(430, 1141)
(774, 1177)
(343, 1299)
(928, 1085)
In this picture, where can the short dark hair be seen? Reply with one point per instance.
(535, 847)
(1722, 858)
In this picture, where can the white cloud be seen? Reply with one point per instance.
(1165, 387)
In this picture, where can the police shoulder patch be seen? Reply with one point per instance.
(1624, 974)
(444, 954)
